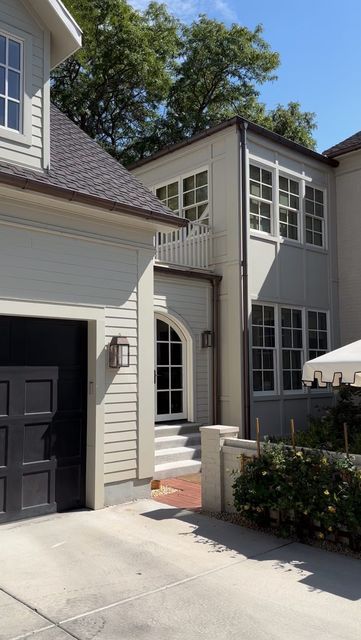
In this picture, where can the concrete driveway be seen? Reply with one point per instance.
(151, 572)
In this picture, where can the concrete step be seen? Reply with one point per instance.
(176, 469)
(175, 454)
(168, 442)
(175, 429)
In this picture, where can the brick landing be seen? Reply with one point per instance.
(188, 492)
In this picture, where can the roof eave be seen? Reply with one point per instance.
(90, 200)
(66, 35)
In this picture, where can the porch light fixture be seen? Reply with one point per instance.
(207, 339)
(119, 355)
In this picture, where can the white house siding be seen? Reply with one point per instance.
(189, 302)
(13, 13)
(348, 189)
(39, 265)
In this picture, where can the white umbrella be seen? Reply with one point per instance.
(342, 366)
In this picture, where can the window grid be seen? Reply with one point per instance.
(260, 188)
(169, 195)
(292, 348)
(195, 196)
(314, 213)
(317, 334)
(263, 348)
(289, 207)
(11, 82)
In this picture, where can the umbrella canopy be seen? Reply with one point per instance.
(342, 366)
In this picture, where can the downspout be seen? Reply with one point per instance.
(215, 350)
(246, 404)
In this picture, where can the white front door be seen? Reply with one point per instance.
(170, 372)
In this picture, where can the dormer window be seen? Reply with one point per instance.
(11, 83)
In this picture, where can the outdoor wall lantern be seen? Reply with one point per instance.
(119, 355)
(207, 339)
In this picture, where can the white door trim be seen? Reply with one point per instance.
(179, 325)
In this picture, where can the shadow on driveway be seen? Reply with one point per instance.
(319, 570)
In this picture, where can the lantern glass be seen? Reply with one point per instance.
(119, 353)
(207, 339)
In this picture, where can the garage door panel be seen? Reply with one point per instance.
(4, 398)
(36, 489)
(68, 492)
(67, 440)
(37, 442)
(3, 445)
(39, 396)
(2, 495)
(70, 396)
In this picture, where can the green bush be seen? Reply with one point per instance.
(327, 432)
(304, 487)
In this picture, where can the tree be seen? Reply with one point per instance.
(144, 80)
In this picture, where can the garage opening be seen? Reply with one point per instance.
(43, 421)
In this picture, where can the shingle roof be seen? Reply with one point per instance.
(79, 165)
(353, 143)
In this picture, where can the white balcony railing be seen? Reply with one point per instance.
(188, 246)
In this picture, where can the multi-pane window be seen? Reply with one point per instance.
(289, 206)
(317, 334)
(314, 208)
(263, 347)
(195, 197)
(292, 348)
(169, 195)
(10, 83)
(260, 188)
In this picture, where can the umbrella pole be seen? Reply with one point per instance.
(257, 438)
(345, 433)
(293, 438)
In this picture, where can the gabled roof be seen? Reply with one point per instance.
(237, 121)
(353, 143)
(82, 171)
(66, 35)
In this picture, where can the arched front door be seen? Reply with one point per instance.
(170, 371)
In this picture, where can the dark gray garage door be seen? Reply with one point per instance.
(43, 373)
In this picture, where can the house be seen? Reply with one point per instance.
(263, 218)
(76, 290)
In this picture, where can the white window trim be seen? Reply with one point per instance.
(25, 135)
(300, 216)
(258, 232)
(275, 392)
(179, 179)
(304, 310)
(315, 247)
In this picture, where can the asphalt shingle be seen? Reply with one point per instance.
(353, 143)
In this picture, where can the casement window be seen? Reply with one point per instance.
(263, 347)
(292, 348)
(260, 205)
(289, 207)
(11, 83)
(169, 195)
(195, 197)
(317, 334)
(314, 212)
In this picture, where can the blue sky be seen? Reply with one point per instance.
(319, 42)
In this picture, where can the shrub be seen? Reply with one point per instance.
(305, 488)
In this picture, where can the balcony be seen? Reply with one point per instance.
(186, 247)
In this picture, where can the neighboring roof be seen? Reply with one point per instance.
(66, 35)
(239, 122)
(80, 170)
(353, 143)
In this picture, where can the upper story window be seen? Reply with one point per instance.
(187, 196)
(314, 210)
(260, 188)
(11, 82)
(169, 195)
(289, 207)
(195, 196)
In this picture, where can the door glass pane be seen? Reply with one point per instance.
(162, 402)
(176, 401)
(2, 111)
(174, 336)
(162, 330)
(14, 85)
(162, 353)
(2, 80)
(176, 353)
(163, 377)
(176, 377)
(2, 49)
(13, 115)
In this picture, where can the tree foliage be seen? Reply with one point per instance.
(144, 80)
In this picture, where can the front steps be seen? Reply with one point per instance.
(177, 450)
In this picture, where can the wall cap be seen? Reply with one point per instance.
(220, 429)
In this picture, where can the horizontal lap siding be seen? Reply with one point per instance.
(14, 14)
(43, 267)
(191, 301)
